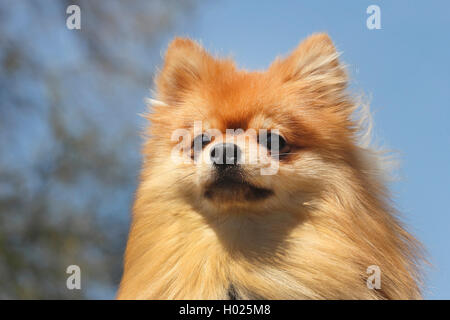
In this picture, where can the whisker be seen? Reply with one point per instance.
(162, 173)
(285, 153)
(180, 179)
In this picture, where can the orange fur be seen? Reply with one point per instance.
(330, 216)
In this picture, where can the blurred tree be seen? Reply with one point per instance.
(69, 138)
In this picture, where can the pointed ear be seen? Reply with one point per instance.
(313, 65)
(184, 64)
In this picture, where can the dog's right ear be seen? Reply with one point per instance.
(314, 67)
(184, 64)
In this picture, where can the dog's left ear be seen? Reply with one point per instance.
(313, 66)
(184, 64)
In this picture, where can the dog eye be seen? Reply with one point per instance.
(201, 140)
(271, 141)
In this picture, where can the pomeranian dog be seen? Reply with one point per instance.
(255, 185)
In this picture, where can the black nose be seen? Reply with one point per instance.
(224, 154)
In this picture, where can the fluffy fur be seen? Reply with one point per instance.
(330, 216)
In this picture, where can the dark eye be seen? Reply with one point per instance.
(201, 141)
(273, 142)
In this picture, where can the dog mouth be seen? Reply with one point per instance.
(235, 187)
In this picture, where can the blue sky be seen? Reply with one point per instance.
(404, 68)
